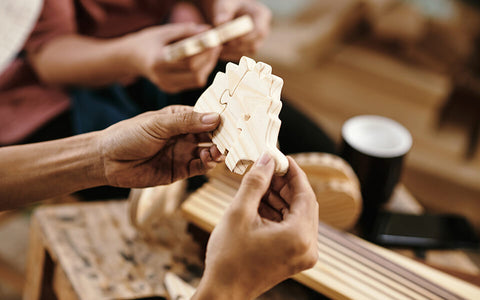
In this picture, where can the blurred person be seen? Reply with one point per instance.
(104, 60)
(91, 63)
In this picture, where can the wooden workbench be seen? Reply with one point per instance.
(90, 251)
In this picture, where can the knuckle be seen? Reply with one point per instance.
(302, 245)
(183, 118)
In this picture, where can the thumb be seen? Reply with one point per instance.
(169, 125)
(223, 11)
(177, 31)
(255, 184)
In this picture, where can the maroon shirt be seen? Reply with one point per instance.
(25, 103)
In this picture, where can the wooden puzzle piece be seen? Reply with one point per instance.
(209, 39)
(247, 97)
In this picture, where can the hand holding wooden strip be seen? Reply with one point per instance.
(209, 39)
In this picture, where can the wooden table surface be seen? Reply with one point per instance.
(99, 255)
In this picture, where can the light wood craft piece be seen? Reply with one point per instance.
(247, 97)
(150, 205)
(209, 39)
(336, 187)
(178, 289)
(348, 267)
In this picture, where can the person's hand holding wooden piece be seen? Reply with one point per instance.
(268, 234)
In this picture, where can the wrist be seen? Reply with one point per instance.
(125, 55)
(217, 289)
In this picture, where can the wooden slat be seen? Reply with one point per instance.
(351, 268)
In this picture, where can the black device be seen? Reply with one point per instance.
(428, 231)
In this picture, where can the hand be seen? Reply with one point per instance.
(221, 11)
(268, 234)
(158, 147)
(146, 55)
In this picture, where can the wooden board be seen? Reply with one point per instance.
(349, 267)
(88, 251)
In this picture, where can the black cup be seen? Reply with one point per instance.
(375, 147)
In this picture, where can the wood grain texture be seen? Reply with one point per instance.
(348, 267)
(247, 97)
(99, 255)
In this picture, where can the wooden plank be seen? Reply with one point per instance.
(350, 268)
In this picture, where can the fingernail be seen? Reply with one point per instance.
(209, 118)
(264, 159)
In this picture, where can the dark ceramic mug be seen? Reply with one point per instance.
(375, 147)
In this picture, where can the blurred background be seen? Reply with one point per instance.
(415, 61)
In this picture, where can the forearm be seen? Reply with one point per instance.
(38, 171)
(79, 60)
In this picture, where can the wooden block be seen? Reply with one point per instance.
(209, 39)
(247, 97)
(146, 206)
(177, 288)
(336, 188)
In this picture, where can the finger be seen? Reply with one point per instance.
(176, 109)
(223, 11)
(299, 194)
(254, 185)
(178, 31)
(278, 182)
(265, 211)
(216, 155)
(276, 202)
(163, 126)
(201, 165)
(297, 180)
(262, 18)
(194, 62)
